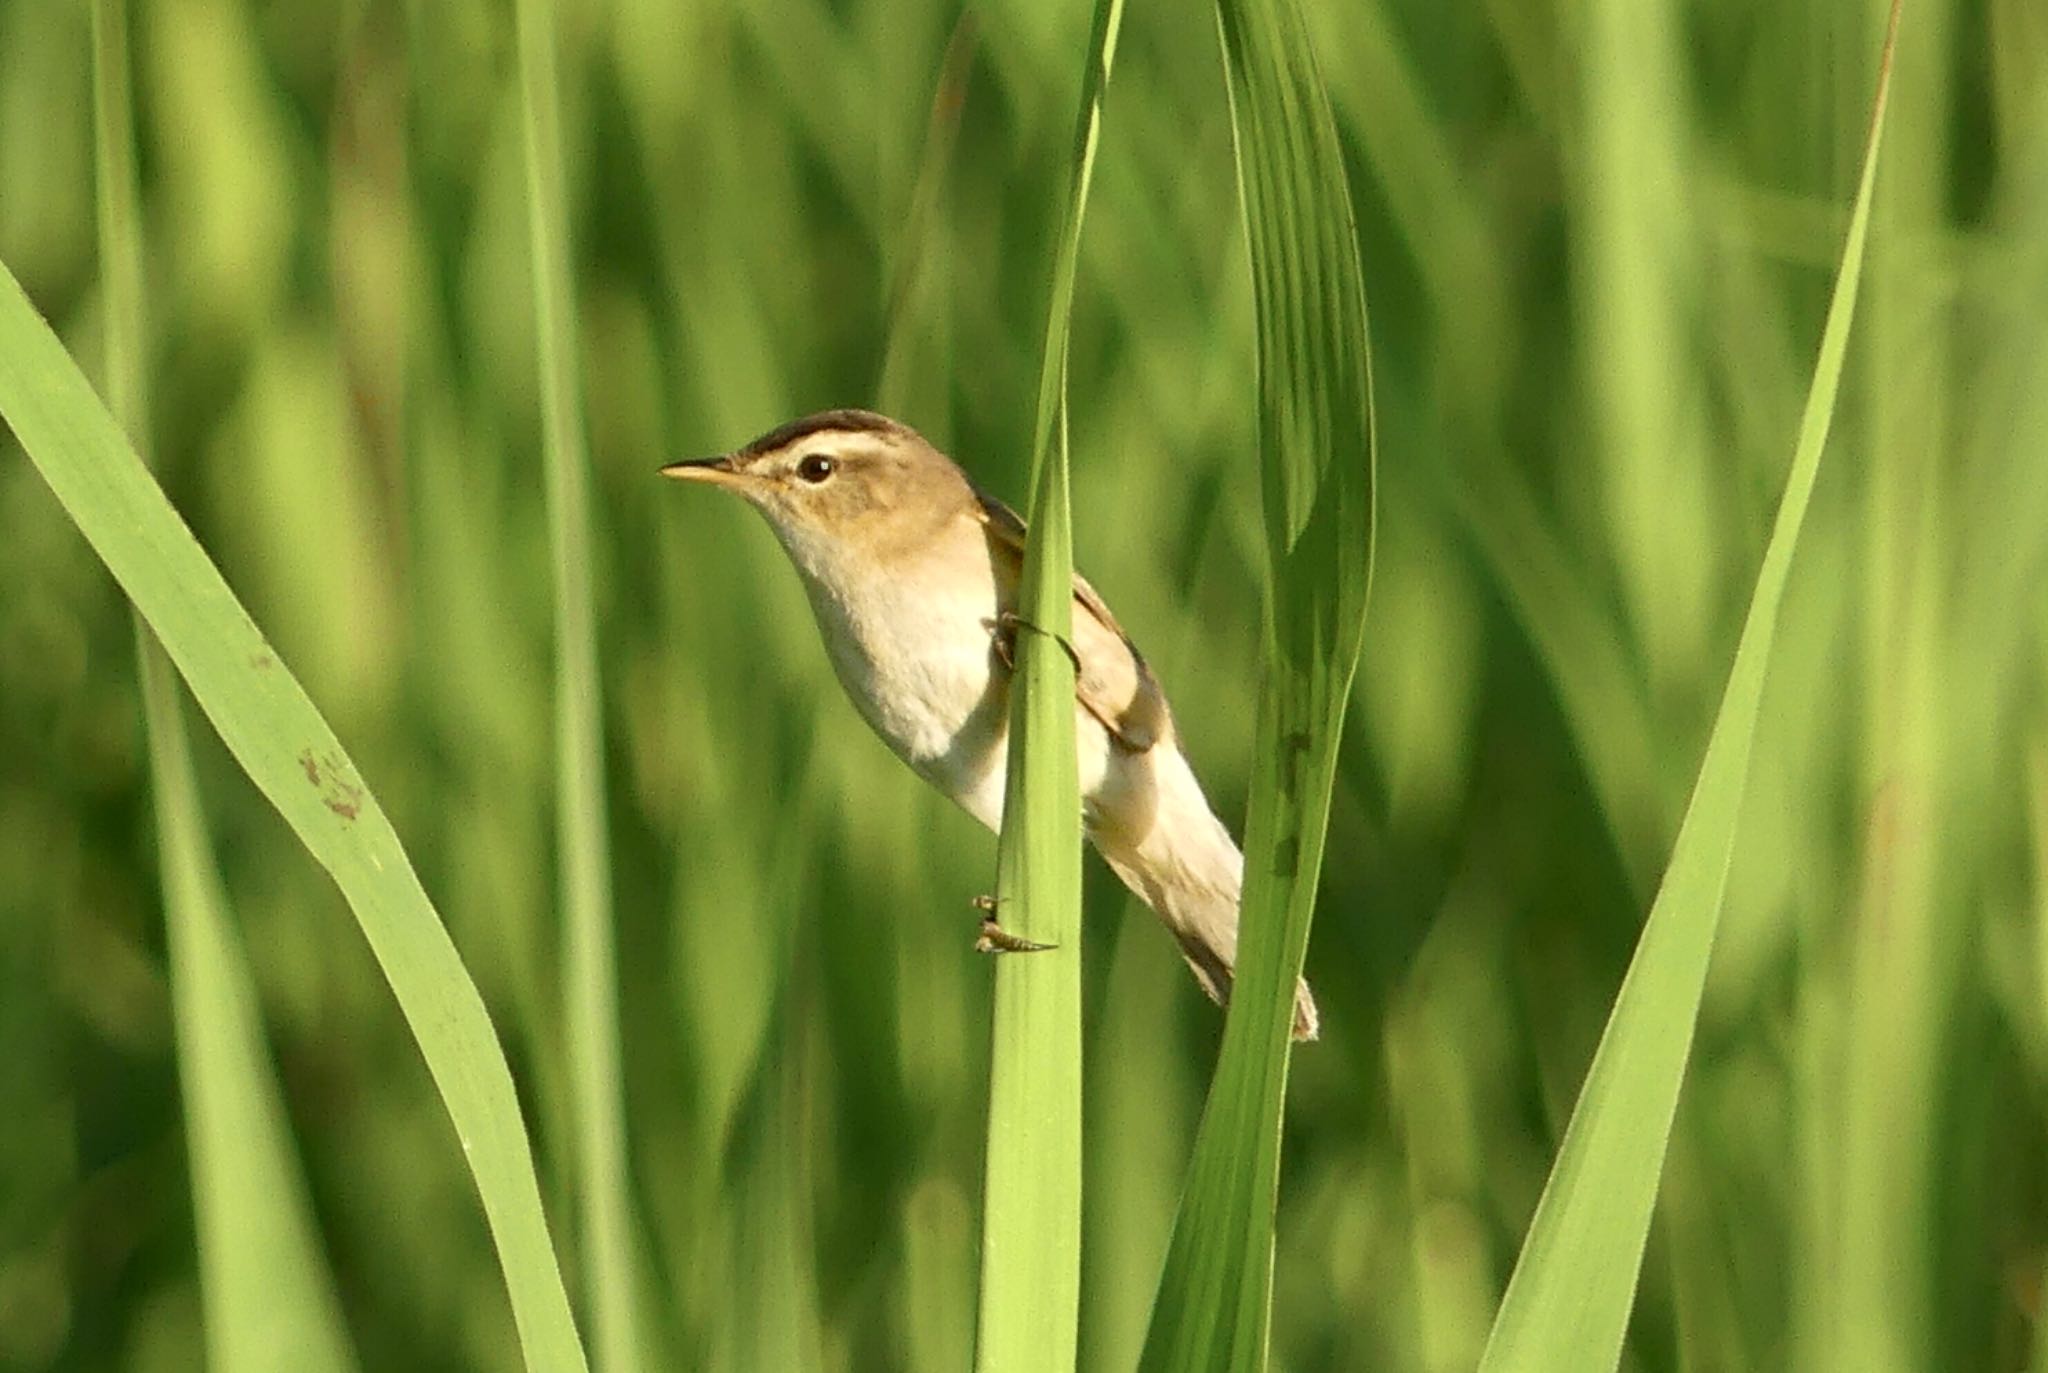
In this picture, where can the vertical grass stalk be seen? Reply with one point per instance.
(1214, 1308)
(1031, 1214)
(271, 727)
(266, 1293)
(1912, 936)
(590, 954)
(1568, 1301)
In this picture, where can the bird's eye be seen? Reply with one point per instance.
(816, 468)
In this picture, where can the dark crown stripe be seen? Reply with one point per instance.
(853, 421)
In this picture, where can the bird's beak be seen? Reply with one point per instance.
(718, 471)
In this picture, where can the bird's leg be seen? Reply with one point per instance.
(995, 939)
(1004, 631)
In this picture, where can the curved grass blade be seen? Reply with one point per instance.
(1568, 1302)
(268, 1297)
(590, 972)
(281, 741)
(1214, 1307)
(1031, 1211)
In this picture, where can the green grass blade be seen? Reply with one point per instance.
(1031, 1211)
(281, 741)
(268, 1296)
(589, 944)
(1214, 1307)
(1567, 1304)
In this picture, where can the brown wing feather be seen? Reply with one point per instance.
(1114, 684)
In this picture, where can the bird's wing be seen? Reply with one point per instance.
(1112, 681)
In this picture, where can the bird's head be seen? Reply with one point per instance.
(846, 491)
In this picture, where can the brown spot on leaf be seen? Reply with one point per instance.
(343, 797)
(330, 774)
(262, 662)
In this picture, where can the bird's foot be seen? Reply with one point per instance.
(1004, 632)
(995, 939)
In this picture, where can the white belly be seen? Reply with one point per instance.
(922, 670)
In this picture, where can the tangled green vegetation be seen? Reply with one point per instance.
(1599, 242)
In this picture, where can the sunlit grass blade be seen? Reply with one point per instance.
(590, 958)
(1031, 1196)
(1214, 1307)
(268, 1297)
(1568, 1302)
(281, 741)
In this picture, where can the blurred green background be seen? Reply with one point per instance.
(1597, 241)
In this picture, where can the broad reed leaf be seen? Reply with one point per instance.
(1568, 1302)
(281, 741)
(265, 1289)
(1029, 1313)
(590, 956)
(1214, 1308)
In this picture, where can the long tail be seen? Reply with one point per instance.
(1169, 848)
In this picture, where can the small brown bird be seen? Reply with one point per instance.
(912, 573)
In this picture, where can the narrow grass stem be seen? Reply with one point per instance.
(590, 974)
(1031, 1210)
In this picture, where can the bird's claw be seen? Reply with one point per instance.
(1004, 633)
(995, 939)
